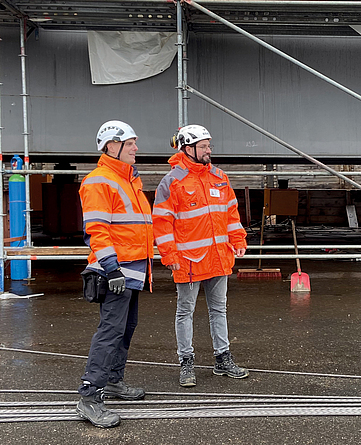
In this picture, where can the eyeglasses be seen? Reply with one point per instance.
(206, 147)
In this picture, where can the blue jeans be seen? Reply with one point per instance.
(216, 297)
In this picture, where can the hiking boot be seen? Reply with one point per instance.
(187, 376)
(123, 391)
(225, 366)
(92, 408)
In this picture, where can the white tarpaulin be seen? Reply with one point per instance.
(124, 56)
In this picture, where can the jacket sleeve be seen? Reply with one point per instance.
(236, 232)
(97, 198)
(164, 216)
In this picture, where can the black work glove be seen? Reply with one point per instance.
(116, 281)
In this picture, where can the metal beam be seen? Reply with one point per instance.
(272, 136)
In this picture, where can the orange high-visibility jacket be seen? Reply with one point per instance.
(196, 221)
(116, 213)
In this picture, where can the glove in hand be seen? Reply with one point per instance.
(116, 281)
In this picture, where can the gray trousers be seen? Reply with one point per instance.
(216, 296)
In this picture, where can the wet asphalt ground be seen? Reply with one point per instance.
(269, 328)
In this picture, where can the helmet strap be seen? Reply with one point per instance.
(120, 150)
(193, 158)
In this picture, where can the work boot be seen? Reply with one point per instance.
(187, 375)
(123, 391)
(225, 366)
(92, 408)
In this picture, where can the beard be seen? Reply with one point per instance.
(205, 159)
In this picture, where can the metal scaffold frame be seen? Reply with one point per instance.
(30, 253)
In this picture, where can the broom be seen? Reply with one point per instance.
(300, 281)
(259, 273)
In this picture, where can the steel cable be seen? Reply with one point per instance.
(121, 411)
(348, 400)
(203, 413)
(139, 362)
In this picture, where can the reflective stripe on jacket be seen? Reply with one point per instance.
(117, 216)
(196, 221)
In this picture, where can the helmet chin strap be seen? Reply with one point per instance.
(194, 158)
(120, 150)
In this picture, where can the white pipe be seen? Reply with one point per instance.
(159, 172)
(325, 256)
(26, 137)
(180, 63)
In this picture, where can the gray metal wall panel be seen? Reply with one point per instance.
(65, 109)
(277, 95)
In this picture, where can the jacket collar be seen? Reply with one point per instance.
(183, 161)
(120, 167)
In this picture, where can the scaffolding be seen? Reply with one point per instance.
(31, 253)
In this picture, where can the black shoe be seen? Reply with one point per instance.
(92, 408)
(123, 391)
(225, 366)
(187, 376)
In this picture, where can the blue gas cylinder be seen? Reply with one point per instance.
(17, 207)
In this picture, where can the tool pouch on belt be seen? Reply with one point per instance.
(94, 286)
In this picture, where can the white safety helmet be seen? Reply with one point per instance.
(189, 135)
(116, 131)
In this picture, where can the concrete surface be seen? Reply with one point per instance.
(269, 329)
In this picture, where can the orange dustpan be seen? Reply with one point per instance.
(300, 281)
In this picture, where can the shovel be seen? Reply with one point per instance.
(300, 281)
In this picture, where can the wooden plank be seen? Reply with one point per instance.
(11, 240)
(47, 250)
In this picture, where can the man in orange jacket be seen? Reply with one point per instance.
(118, 229)
(197, 231)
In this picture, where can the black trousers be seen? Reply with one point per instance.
(110, 344)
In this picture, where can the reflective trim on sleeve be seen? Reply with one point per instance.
(232, 202)
(234, 226)
(102, 253)
(96, 266)
(133, 218)
(163, 212)
(97, 216)
(164, 239)
(129, 273)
